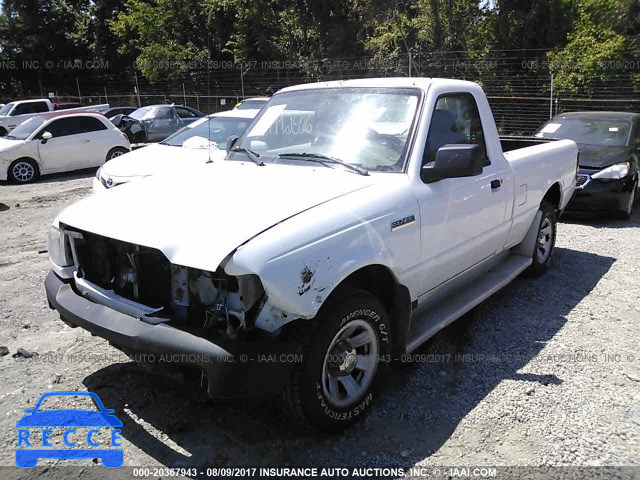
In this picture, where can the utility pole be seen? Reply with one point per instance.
(551, 99)
(137, 88)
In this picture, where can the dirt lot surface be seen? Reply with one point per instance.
(547, 372)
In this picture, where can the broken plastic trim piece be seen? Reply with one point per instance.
(118, 303)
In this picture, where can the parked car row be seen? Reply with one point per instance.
(73, 139)
(202, 141)
(14, 113)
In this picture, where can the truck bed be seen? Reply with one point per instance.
(513, 142)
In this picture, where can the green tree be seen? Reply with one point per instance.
(39, 33)
(166, 37)
(596, 45)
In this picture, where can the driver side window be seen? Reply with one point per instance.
(63, 127)
(164, 114)
(454, 120)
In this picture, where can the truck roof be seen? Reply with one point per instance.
(393, 82)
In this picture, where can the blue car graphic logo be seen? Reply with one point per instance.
(30, 448)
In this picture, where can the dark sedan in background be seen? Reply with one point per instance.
(609, 153)
(154, 123)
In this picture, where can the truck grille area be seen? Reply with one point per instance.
(134, 272)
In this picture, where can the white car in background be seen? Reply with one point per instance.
(251, 103)
(59, 142)
(203, 141)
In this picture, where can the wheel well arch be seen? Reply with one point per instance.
(380, 281)
(553, 195)
(23, 158)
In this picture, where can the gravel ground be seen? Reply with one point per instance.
(547, 372)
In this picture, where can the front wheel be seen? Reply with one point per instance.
(115, 153)
(627, 213)
(345, 364)
(24, 170)
(545, 241)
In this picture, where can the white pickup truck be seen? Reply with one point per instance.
(350, 222)
(14, 113)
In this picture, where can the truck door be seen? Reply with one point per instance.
(24, 111)
(461, 218)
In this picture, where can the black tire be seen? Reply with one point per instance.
(318, 398)
(24, 170)
(628, 212)
(3, 131)
(545, 242)
(115, 153)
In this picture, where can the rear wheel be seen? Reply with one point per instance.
(3, 131)
(24, 170)
(545, 241)
(115, 153)
(345, 364)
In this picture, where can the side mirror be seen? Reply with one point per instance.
(454, 161)
(231, 141)
(46, 136)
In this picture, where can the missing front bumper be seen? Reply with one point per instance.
(234, 368)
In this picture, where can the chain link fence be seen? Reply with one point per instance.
(519, 85)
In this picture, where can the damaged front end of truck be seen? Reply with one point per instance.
(176, 318)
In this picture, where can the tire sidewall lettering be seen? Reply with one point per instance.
(375, 319)
(368, 314)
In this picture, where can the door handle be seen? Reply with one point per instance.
(496, 184)
(86, 141)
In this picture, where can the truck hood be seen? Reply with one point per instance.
(601, 156)
(199, 217)
(157, 158)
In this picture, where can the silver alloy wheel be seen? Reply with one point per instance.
(545, 238)
(23, 171)
(117, 153)
(350, 363)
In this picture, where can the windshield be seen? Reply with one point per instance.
(216, 130)
(6, 109)
(144, 113)
(365, 127)
(589, 131)
(26, 128)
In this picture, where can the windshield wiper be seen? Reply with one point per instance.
(320, 158)
(253, 156)
(10, 137)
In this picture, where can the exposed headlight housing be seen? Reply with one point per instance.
(614, 172)
(59, 248)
